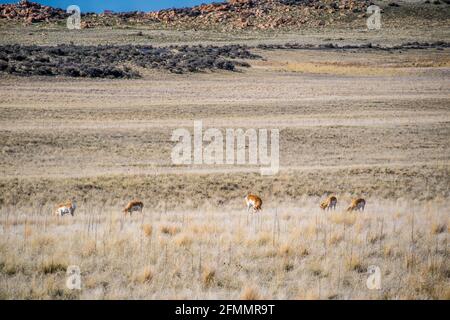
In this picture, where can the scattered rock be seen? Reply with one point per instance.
(260, 14)
(233, 14)
(30, 12)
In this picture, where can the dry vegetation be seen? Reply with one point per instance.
(359, 122)
(104, 143)
(287, 252)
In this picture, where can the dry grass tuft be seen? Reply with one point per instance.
(303, 252)
(208, 276)
(42, 240)
(170, 229)
(51, 266)
(374, 238)
(437, 267)
(89, 248)
(182, 240)
(311, 230)
(11, 267)
(145, 275)
(285, 249)
(409, 260)
(354, 263)
(437, 228)
(264, 238)
(203, 228)
(27, 231)
(388, 250)
(335, 238)
(250, 293)
(316, 269)
(148, 230)
(261, 239)
(288, 266)
(347, 218)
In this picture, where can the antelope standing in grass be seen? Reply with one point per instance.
(254, 202)
(329, 203)
(65, 208)
(357, 204)
(134, 205)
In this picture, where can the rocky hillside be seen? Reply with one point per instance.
(244, 14)
(233, 14)
(30, 12)
(262, 14)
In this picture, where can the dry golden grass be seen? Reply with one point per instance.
(250, 293)
(143, 276)
(388, 250)
(285, 249)
(352, 69)
(89, 248)
(437, 228)
(336, 69)
(170, 230)
(376, 128)
(50, 265)
(335, 238)
(354, 263)
(208, 276)
(206, 253)
(182, 240)
(347, 218)
(148, 230)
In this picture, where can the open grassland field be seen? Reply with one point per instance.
(290, 251)
(377, 128)
(356, 121)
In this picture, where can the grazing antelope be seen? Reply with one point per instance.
(66, 208)
(329, 203)
(357, 204)
(134, 205)
(254, 202)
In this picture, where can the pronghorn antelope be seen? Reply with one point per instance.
(357, 204)
(329, 203)
(65, 208)
(134, 205)
(254, 202)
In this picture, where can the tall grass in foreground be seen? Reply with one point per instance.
(290, 252)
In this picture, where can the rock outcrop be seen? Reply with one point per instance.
(233, 14)
(262, 14)
(30, 12)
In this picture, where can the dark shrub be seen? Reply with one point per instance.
(44, 71)
(94, 72)
(108, 60)
(3, 65)
(17, 57)
(71, 72)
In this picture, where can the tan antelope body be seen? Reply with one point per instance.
(329, 203)
(65, 208)
(134, 205)
(254, 202)
(357, 204)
